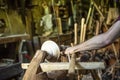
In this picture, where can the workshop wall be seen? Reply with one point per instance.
(13, 22)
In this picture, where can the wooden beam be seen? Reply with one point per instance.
(65, 66)
(13, 38)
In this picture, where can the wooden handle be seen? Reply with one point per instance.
(97, 27)
(82, 26)
(75, 32)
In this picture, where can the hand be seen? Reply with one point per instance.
(69, 50)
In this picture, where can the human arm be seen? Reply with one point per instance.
(98, 41)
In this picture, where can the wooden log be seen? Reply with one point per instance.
(30, 73)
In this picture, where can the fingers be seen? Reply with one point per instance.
(69, 50)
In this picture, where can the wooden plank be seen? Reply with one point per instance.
(65, 66)
(13, 38)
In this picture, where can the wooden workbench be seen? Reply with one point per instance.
(13, 38)
(8, 50)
